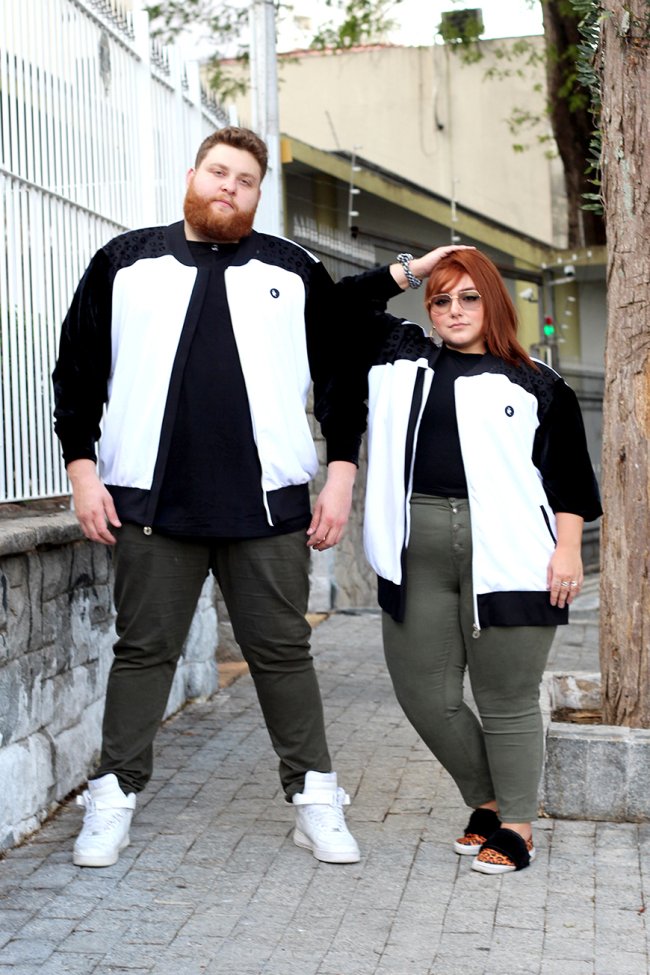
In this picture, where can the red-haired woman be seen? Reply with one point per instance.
(479, 482)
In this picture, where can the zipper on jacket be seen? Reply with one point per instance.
(418, 403)
(476, 626)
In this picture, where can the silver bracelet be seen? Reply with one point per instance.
(405, 261)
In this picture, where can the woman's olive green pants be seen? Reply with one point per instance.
(265, 585)
(500, 756)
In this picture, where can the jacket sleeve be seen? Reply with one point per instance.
(346, 326)
(83, 365)
(561, 456)
(371, 289)
(340, 382)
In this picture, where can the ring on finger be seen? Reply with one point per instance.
(564, 584)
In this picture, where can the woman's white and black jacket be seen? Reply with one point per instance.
(126, 338)
(525, 456)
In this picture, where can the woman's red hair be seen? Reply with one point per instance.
(500, 316)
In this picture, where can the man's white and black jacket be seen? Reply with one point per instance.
(525, 457)
(125, 342)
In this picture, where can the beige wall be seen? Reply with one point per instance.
(423, 115)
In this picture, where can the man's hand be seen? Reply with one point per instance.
(332, 508)
(93, 504)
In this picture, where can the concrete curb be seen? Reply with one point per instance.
(592, 772)
(596, 772)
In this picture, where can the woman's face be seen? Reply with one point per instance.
(459, 323)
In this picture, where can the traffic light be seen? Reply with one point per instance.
(549, 327)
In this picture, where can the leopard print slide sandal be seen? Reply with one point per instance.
(482, 824)
(504, 852)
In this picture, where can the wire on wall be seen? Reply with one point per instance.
(353, 192)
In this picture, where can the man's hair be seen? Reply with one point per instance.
(238, 138)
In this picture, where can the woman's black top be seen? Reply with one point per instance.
(438, 468)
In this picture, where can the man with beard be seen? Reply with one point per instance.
(194, 345)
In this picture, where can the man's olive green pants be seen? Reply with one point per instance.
(265, 585)
(498, 757)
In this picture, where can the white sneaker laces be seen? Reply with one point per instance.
(99, 816)
(325, 809)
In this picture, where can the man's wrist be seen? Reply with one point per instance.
(341, 470)
(80, 468)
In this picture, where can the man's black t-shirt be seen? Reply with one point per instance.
(212, 481)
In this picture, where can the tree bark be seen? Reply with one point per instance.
(625, 547)
(570, 119)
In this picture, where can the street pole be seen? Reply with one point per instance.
(265, 112)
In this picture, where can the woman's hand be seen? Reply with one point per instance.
(332, 508)
(565, 576)
(422, 267)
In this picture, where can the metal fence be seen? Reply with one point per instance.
(98, 127)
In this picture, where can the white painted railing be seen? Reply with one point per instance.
(97, 129)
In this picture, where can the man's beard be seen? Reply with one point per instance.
(213, 224)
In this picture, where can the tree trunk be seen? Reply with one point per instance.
(625, 548)
(570, 119)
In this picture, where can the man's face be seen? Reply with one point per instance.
(222, 195)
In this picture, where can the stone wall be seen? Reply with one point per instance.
(56, 637)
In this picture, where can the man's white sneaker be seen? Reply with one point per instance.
(320, 823)
(105, 832)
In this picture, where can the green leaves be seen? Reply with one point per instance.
(588, 77)
(223, 23)
(219, 21)
(365, 22)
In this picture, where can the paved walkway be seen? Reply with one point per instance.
(213, 884)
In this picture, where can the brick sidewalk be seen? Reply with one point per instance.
(212, 883)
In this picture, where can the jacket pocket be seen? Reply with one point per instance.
(548, 523)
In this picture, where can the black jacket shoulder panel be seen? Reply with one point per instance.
(540, 382)
(282, 252)
(136, 245)
(404, 340)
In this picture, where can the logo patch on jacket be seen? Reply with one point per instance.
(275, 293)
(510, 411)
